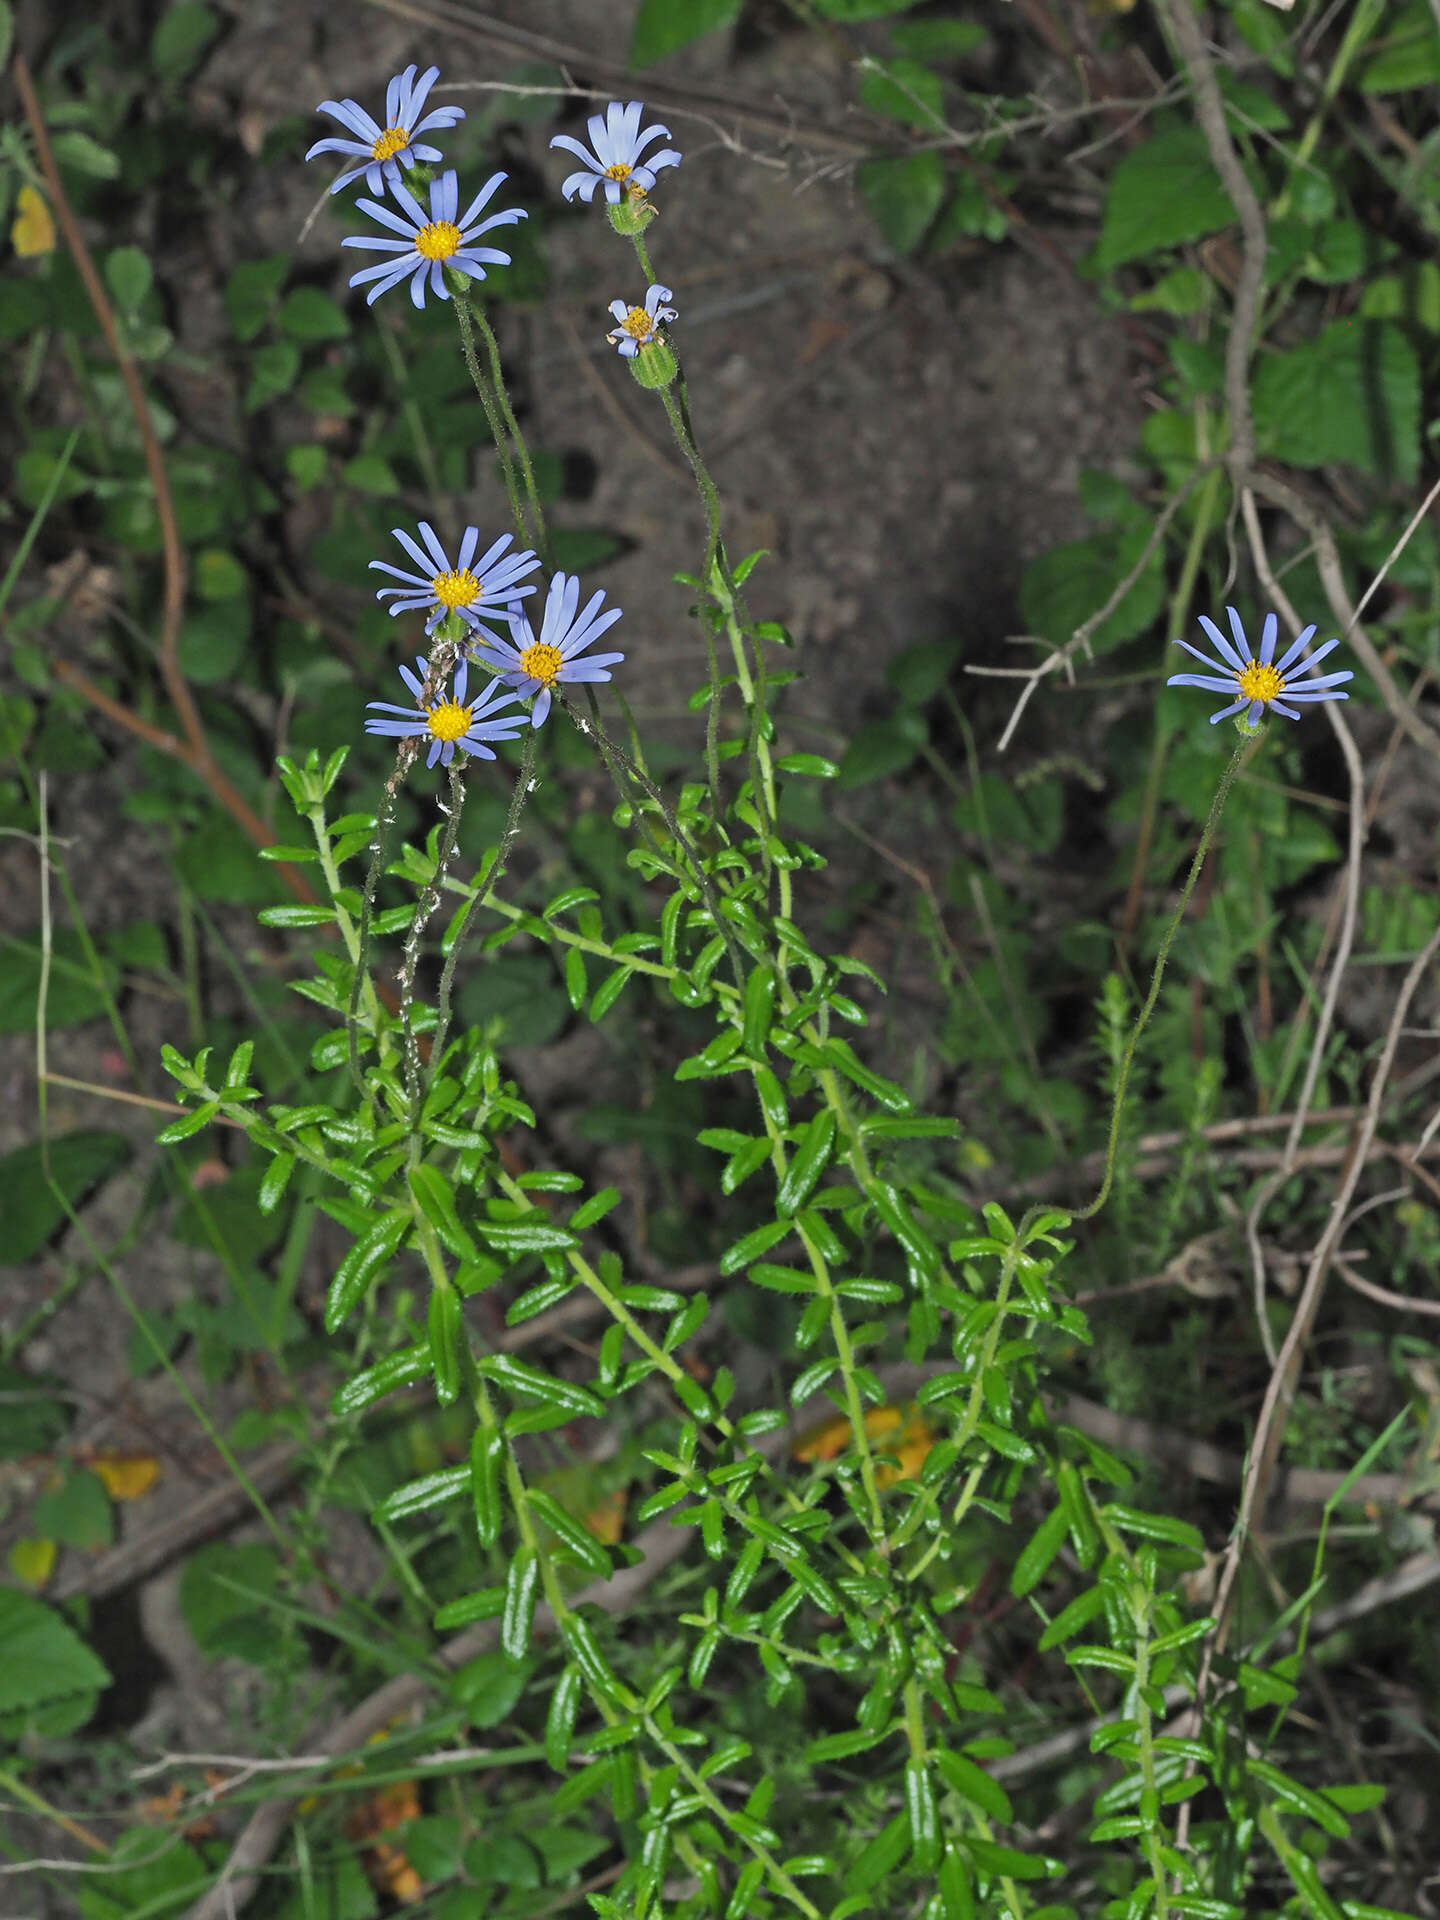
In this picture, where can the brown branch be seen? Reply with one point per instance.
(174, 553)
(194, 750)
(1284, 1379)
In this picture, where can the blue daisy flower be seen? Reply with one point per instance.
(1258, 683)
(431, 243)
(382, 151)
(535, 666)
(452, 721)
(477, 590)
(615, 163)
(640, 326)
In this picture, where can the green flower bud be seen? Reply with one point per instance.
(654, 366)
(632, 214)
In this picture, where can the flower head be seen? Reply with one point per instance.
(615, 163)
(430, 244)
(450, 721)
(640, 326)
(1258, 683)
(382, 151)
(477, 590)
(535, 666)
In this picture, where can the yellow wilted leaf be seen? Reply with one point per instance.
(34, 230)
(391, 1872)
(32, 1561)
(606, 1519)
(388, 1867)
(901, 1429)
(125, 1475)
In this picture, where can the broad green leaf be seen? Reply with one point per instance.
(663, 26)
(273, 368)
(578, 549)
(29, 1210)
(74, 993)
(129, 276)
(1409, 56)
(250, 292)
(181, 38)
(41, 1657)
(847, 10)
(1370, 378)
(309, 315)
(904, 90)
(212, 640)
(222, 1583)
(489, 1686)
(77, 1513)
(904, 195)
(1162, 194)
(1067, 586)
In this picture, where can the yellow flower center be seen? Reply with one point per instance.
(639, 325)
(542, 663)
(439, 240)
(1260, 683)
(449, 721)
(618, 172)
(391, 142)
(456, 589)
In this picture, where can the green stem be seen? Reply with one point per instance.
(492, 417)
(532, 492)
(486, 883)
(424, 907)
(1227, 780)
(642, 254)
(617, 760)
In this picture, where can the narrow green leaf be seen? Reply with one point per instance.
(809, 1163)
(517, 1376)
(396, 1370)
(560, 1718)
(759, 1010)
(581, 1543)
(296, 916)
(521, 1587)
(435, 1198)
(276, 1180)
(972, 1783)
(1037, 1553)
(487, 1454)
(446, 1333)
(363, 1263)
(190, 1123)
(1300, 1799)
(418, 1496)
